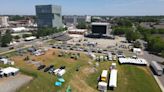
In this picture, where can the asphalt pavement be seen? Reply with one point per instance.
(151, 57)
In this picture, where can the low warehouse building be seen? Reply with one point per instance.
(9, 71)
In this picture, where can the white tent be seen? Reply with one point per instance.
(9, 71)
(137, 51)
(61, 73)
(138, 61)
(30, 38)
(113, 78)
(19, 29)
(6, 61)
(56, 71)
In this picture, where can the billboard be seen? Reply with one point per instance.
(100, 29)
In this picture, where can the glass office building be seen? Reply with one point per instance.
(48, 16)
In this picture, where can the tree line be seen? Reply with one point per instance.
(6, 38)
(41, 32)
(155, 43)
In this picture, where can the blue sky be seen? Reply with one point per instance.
(87, 7)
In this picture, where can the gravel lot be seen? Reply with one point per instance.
(102, 43)
(12, 83)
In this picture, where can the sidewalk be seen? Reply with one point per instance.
(14, 50)
(159, 83)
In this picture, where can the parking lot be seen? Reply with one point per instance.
(94, 45)
(103, 43)
(8, 84)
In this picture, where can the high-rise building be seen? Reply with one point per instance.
(4, 21)
(48, 16)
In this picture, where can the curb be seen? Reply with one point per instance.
(159, 83)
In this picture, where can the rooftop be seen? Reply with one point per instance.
(99, 23)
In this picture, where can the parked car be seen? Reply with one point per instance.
(62, 67)
(51, 70)
(41, 67)
(48, 68)
(10, 48)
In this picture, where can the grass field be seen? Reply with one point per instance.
(130, 78)
(160, 35)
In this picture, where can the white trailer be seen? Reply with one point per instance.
(113, 66)
(109, 56)
(114, 57)
(113, 78)
(102, 86)
(157, 68)
(104, 75)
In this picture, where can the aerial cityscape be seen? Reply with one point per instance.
(82, 46)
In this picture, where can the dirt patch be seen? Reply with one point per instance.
(12, 83)
(80, 85)
(89, 70)
(47, 58)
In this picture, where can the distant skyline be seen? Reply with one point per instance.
(86, 7)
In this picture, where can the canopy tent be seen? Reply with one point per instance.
(68, 89)
(138, 61)
(58, 84)
(61, 80)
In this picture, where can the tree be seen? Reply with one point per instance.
(132, 36)
(16, 37)
(124, 22)
(16, 17)
(26, 35)
(82, 25)
(120, 30)
(45, 31)
(6, 39)
(162, 53)
(137, 44)
(155, 44)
